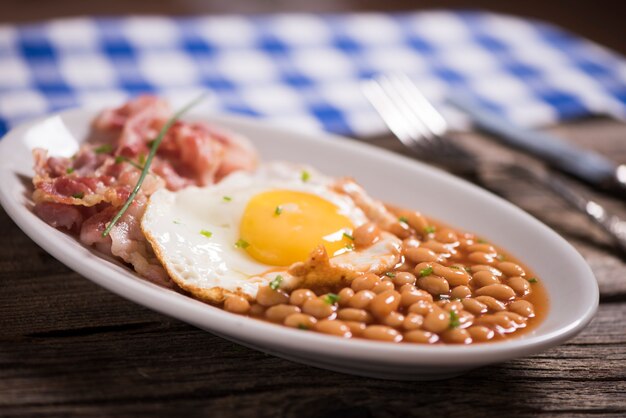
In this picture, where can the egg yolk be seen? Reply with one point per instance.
(281, 227)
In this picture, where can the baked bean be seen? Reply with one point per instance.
(456, 336)
(496, 321)
(361, 299)
(446, 235)
(480, 333)
(421, 307)
(465, 319)
(421, 337)
(267, 296)
(356, 328)
(436, 321)
(382, 333)
(237, 304)
(492, 304)
(460, 292)
(518, 319)
(366, 235)
(522, 307)
(448, 305)
(384, 303)
(480, 257)
(410, 243)
(485, 248)
(419, 255)
(400, 230)
(511, 269)
(484, 278)
(520, 285)
(406, 266)
(412, 321)
(403, 278)
(455, 277)
(407, 288)
(278, 313)
(318, 308)
(335, 327)
(299, 296)
(365, 282)
(474, 306)
(490, 269)
(353, 314)
(300, 320)
(345, 295)
(257, 310)
(416, 221)
(383, 286)
(434, 285)
(410, 296)
(393, 320)
(498, 291)
(436, 246)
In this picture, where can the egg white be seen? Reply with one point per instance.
(211, 267)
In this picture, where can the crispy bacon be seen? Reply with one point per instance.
(82, 194)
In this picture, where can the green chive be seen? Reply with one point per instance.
(303, 327)
(206, 233)
(454, 320)
(390, 274)
(177, 222)
(481, 241)
(78, 195)
(227, 198)
(141, 159)
(467, 269)
(242, 244)
(69, 170)
(121, 159)
(455, 267)
(403, 219)
(275, 284)
(429, 229)
(350, 247)
(350, 237)
(305, 176)
(331, 298)
(146, 167)
(426, 272)
(278, 211)
(533, 280)
(103, 149)
(501, 257)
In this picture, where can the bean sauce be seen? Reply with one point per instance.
(451, 287)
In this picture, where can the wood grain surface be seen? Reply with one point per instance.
(69, 348)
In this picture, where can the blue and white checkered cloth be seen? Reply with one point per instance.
(304, 70)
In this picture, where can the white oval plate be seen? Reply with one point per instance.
(570, 283)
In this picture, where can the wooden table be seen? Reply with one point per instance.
(70, 348)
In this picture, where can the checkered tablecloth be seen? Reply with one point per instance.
(304, 70)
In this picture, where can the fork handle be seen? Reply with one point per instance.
(586, 165)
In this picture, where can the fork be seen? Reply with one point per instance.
(422, 129)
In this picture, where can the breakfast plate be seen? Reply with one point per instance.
(569, 282)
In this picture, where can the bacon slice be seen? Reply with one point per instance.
(82, 194)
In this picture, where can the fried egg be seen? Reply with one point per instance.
(237, 235)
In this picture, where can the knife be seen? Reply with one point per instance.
(585, 165)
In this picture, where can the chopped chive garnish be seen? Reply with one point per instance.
(403, 219)
(121, 159)
(454, 320)
(69, 170)
(303, 327)
(467, 269)
(206, 233)
(350, 237)
(501, 257)
(533, 280)
(103, 149)
(153, 149)
(78, 195)
(141, 159)
(150, 143)
(227, 198)
(481, 241)
(177, 222)
(426, 272)
(455, 267)
(350, 247)
(429, 229)
(278, 210)
(331, 298)
(390, 274)
(242, 243)
(275, 284)
(305, 176)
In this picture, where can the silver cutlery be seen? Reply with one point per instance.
(422, 129)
